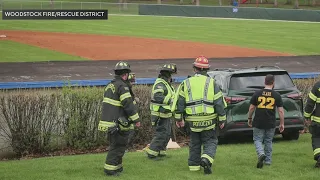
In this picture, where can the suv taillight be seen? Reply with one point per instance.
(233, 100)
(296, 96)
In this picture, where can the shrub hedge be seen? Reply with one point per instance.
(44, 121)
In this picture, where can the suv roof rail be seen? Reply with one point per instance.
(258, 67)
(224, 69)
(244, 69)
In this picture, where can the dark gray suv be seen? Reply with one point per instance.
(238, 85)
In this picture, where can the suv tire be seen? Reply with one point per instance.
(293, 135)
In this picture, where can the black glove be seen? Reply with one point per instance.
(124, 122)
(154, 120)
(113, 129)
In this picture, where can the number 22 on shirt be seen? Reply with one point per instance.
(266, 102)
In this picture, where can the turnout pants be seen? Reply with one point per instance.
(130, 139)
(315, 132)
(209, 140)
(117, 146)
(161, 137)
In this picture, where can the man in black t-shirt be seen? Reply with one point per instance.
(264, 103)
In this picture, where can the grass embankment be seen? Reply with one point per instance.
(291, 160)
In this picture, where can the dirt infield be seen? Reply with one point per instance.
(137, 51)
(102, 47)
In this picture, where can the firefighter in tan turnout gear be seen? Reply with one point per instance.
(201, 104)
(119, 115)
(312, 112)
(161, 115)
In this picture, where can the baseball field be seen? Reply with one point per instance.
(143, 37)
(55, 50)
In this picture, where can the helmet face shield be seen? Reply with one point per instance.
(132, 78)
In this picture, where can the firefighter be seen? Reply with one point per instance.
(131, 82)
(161, 115)
(119, 115)
(201, 104)
(312, 116)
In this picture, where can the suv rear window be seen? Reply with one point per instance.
(244, 81)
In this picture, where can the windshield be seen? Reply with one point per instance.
(256, 81)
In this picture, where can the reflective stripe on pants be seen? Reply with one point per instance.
(118, 142)
(161, 137)
(208, 139)
(315, 132)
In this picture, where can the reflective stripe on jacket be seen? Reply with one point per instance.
(201, 103)
(161, 98)
(312, 107)
(117, 102)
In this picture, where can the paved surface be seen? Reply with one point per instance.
(85, 70)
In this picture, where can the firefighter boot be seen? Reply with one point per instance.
(120, 170)
(163, 153)
(317, 165)
(155, 158)
(206, 165)
(111, 173)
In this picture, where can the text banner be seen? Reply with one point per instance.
(54, 14)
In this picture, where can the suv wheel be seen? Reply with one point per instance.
(293, 135)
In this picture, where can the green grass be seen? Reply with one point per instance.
(289, 37)
(291, 160)
(17, 52)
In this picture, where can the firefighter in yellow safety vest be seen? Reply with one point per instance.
(201, 104)
(161, 115)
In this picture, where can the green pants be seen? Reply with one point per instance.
(117, 146)
(315, 132)
(161, 137)
(209, 141)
